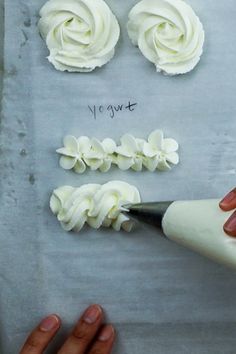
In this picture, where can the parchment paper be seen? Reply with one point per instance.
(161, 297)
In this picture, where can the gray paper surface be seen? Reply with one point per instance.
(160, 297)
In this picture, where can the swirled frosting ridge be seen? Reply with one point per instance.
(94, 204)
(168, 33)
(80, 34)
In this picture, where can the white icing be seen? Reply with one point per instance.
(94, 204)
(73, 152)
(100, 155)
(80, 34)
(160, 152)
(130, 153)
(157, 153)
(82, 152)
(199, 226)
(168, 33)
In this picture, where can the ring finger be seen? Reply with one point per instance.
(104, 341)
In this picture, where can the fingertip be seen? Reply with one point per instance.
(229, 201)
(105, 340)
(92, 314)
(107, 333)
(42, 335)
(99, 307)
(50, 323)
(85, 331)
(224, 205)
(230, 225)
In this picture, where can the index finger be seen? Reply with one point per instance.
(229, 201)
(41, 336)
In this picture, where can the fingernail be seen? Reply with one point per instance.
(230, 225)
(229, 202)
(49, 323)
(92, 314)
(106, 333)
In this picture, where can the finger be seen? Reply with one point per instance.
(230, 225)
(41, 336)
(229, 201)
(104, 342)
(84, 332)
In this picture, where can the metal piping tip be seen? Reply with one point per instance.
(125, 208)
(150, 213)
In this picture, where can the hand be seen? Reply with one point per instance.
(229, 203)
(89, 336)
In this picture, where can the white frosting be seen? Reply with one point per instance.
(154, 154)
(168, 33)
(80, 34)
(79, 153)
(199, 226)
(157, 153)
(94, 204)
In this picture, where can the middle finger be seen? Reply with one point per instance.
(84, 331)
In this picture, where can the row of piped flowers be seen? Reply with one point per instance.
(157, 153)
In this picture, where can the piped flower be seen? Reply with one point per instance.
(73, 152)
(160, 152)
(129, 153)
(100, 154)
(155, 153)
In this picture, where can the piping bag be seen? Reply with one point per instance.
(197, 225)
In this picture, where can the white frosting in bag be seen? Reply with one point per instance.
(168, 33)
(94, 204)
(80, 34)
(198, 225)
(157, 153)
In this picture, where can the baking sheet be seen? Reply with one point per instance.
(161, 297)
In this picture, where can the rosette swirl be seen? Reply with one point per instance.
(80, 34)
(168, 33)
(95, 205)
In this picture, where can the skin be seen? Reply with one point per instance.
(90, 336)
(228, 203)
